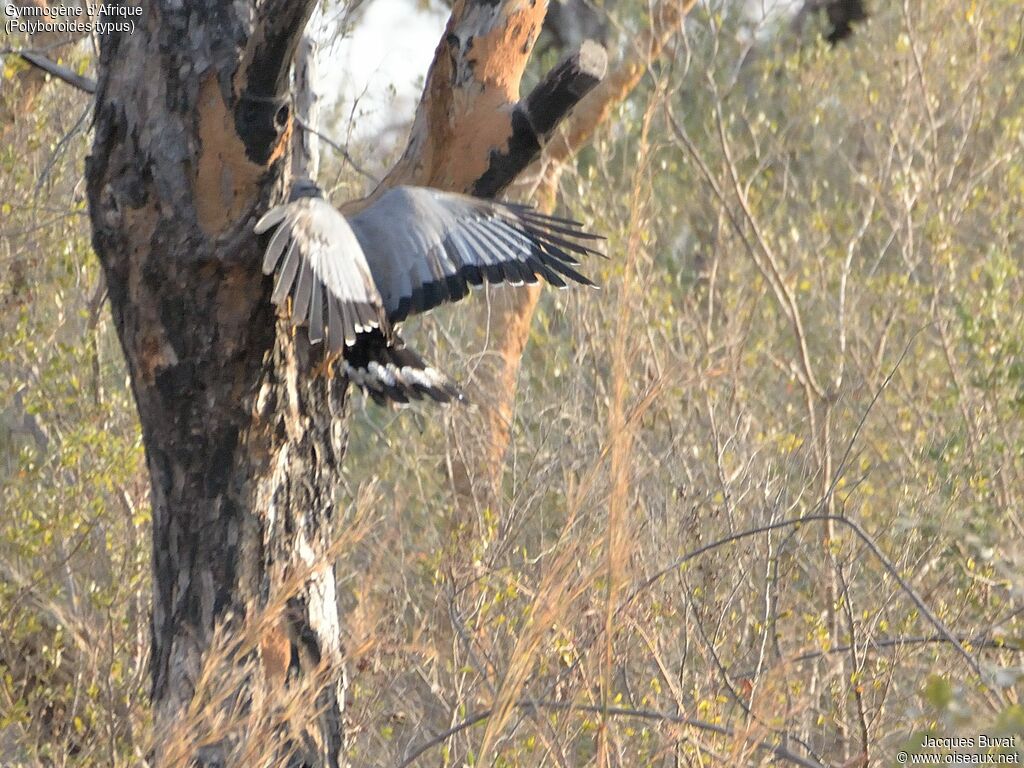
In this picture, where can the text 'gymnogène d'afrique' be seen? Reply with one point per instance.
(33, 19)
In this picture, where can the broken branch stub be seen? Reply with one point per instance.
(536, 117)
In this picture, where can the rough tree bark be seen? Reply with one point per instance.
(478, 462)
(243, 429)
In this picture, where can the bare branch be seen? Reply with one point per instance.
(977, 641)
(472, 133)
(340, 149)
(861, 534)
(82, 83)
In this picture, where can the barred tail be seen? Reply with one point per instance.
(391, 372)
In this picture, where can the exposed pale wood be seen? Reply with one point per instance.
(470, 124)
(469, 94)
(535, 118)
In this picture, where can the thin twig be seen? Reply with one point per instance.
(865, 538)
(61, 148)
(644, 714)
(978, 641)
(337, 148)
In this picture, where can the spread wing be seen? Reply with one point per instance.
(323, 269)
(425, 247)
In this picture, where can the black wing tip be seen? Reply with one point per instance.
(449, 394)
(571, 227)
(556, 244)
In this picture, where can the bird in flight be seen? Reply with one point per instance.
(352, 280)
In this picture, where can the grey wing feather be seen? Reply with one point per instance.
(324, 270)
(424, 247)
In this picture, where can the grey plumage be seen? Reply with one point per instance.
(408, 252)
(334, 275)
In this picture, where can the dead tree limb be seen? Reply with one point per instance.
(72, 78)
(535, 118)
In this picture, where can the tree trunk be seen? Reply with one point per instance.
(242, 445)
(243, 427)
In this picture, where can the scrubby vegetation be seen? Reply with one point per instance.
(765, 496)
